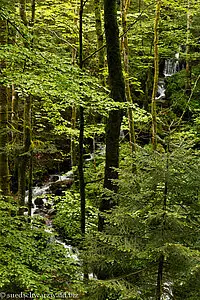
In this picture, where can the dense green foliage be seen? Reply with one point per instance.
(151, 234)
(32, 260)
(158, 212)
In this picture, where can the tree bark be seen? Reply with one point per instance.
(30, 185)
(73, 144)
(73, 150)
(24, 158)
(33, 8)
(81, 137)
(99, 34)
(4, 170)
(188, 63)
(125, 5)
(81, 171)
(22, 10)
(117, 87)
(156, 75)
(81, 132)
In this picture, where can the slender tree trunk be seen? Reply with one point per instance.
(15, 137)
(125, 6)
(74, 49)
(81, 171)
(154, 130)
(81, 134)
(73, 151)
(24, 158)
(99, 33)
(30, 184)
(156, 75)
(30, 176)
(14, 112)
(22, 9)
(117, 87)
(160, 278)
(4, 170)
(159, 287)
(33, 8)
(188, 63)
(73, 144)
(148, 84)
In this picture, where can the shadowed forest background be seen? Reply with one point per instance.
(99, 149)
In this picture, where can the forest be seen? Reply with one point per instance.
(99, 149)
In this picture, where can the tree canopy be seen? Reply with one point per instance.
(99, 149)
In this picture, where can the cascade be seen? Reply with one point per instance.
(55, 184)
(40, 205)
(171, 67)
(161, 89)
(44, 208)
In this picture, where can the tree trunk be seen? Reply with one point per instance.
(156, 75)
(117, 87)
(30, 184)
(74, 48)
(81, 134)
(33, 7)
(125, 5)
(99, 34)
(4, 170)
(81, 137)
(188, 63)
(25, 156)
(81, 171)
(30, 176)
(73, 151)
(73, 144)
(22, 10)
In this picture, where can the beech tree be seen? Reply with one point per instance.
(139, 230)
(125, 6)
(117, 87)
(99, 33)
(4, 171)
(156, 74)
(24, 157)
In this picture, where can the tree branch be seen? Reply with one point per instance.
(93, 181)
(129, 27)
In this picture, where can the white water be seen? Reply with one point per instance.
(161, 89)
(38, 191)
(171, 67)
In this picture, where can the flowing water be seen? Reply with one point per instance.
(171, 67)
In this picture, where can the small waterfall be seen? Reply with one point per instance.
(40, 203)
(161, 89)
(171, 66)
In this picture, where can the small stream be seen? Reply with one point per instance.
(53, 185)
(44, 207)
